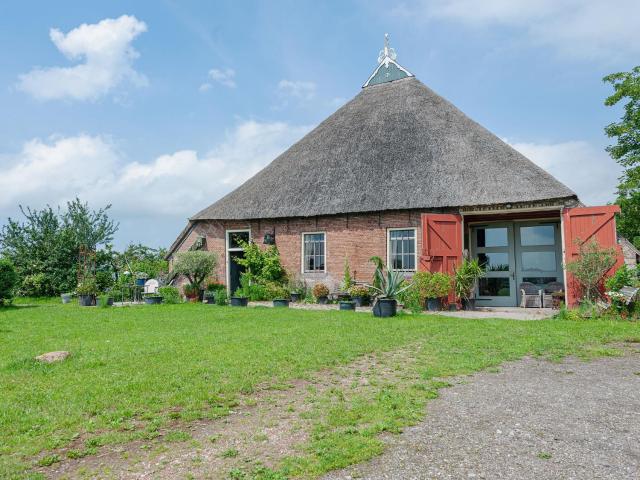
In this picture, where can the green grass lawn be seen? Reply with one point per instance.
(133, 369)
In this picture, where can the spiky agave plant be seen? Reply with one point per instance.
(388, 283)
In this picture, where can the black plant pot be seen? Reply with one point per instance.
(152, 300)
(110, 301)
(433, 304)
(323, 300)
(361, 301)
(281, 302)
(385, 307)
(87, 300)
(210, 299)
(295, 297)
(469, 304)
(453, 307)
(347, 305)
(344, 297)
(239, 301)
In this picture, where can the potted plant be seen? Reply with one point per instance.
(87, 291)
(153, 299)
(297, 288)
(279, 295)
(347, 305)
(432, 287)
(347, 281)
(359, 295)
(105, 300)
(213, 288)
(466, 278)
(321, 292)
(191, 291)
(392, 284)
(237, 301)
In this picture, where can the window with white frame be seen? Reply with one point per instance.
(313, 252)
(402, 249)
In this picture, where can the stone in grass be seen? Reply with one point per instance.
(52, 357)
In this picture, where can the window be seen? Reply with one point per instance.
(402, 249)
(493, 237)
(537, 235)
(313, 252)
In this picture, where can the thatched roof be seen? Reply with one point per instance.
(397, 145)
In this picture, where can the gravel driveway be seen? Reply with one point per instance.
(532, 420)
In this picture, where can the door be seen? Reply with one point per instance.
(235, 251)
(538, 253)
(493, 246)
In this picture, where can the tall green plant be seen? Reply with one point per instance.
(347, 281)
(196, 265)
(391, 282)
(466, 277)
(262, 264)
(591, 267)
(8, 281)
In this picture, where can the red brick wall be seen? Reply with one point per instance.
(357, 237)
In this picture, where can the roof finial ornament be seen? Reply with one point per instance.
(387, 52)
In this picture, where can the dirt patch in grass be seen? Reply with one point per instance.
(266, 428)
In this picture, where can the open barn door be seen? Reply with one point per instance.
(582, 225)
(441, 244)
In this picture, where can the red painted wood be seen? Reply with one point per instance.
(441, 244)
(582, 225)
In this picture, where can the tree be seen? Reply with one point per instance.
(626, 151)
(45, 246)
(196, 265)
(590, 268)
(8, 281)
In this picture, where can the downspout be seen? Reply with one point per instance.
(564, 258)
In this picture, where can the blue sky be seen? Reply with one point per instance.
(162, 107)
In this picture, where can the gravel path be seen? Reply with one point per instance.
(532, 420)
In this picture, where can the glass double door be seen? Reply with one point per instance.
(512, 253)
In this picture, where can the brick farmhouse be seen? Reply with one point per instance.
(400, 173)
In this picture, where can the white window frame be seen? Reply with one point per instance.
(228, 249)
(415, 239)
(326, 254)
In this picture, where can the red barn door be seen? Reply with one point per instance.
(583, 225)
(441, 244)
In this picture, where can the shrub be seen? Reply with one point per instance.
(590, 268)
(191, 290)
(251, 289)
(170, 295)
(466, 277)
(214, 286)
(624, 277)
(36, 285)
(432, 285)
(411, 299)
(221, 297)
(103, 300)
(195, 265)
(296, 285)
(262, 264)
(8, 281)
(347, 281)
(274, 290)
(359, 291)
(320, 290)
(88, 286)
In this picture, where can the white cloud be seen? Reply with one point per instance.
(225, 77)
(302, 91)
(586, 169)
(107, 58)
(586, 29)
(177, 184)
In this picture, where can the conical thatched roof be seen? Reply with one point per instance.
(396, 145)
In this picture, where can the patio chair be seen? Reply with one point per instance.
(531, 296)
(547, 294)
(151, 286)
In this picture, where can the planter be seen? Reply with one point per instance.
(433, 304)
(140, 282)
(239, 301)
(296, 297)
(469, 304)
(210, 299)
(87, 300)
(453, 307)
(281, 302)
(347, 305)
(361, 301)
(344, 297)
(66, 297)
(323, 300)
(152, 300)
(110, 301)
(385, 307)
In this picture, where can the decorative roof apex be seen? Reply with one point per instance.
(391, 71)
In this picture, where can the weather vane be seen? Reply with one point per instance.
(387, 51)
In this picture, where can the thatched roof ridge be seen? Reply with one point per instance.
(395, 146)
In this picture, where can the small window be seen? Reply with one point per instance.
(236, 237)
(402, 249)
(313, 252)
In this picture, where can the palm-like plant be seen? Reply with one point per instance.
(466, 277)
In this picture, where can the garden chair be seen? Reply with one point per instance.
(531, 295)
(630, 294)
(547, 294)
(151, 286)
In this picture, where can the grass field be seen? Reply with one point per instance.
(133, 369)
